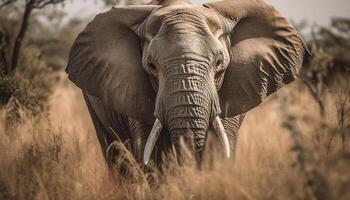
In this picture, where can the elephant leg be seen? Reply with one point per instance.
(109, 125)
(231, 125)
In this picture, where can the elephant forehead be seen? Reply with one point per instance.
(186, 19)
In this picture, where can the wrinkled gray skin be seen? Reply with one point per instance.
(184, 65)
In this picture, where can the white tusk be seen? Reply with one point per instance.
(151, 141)
(219, 129)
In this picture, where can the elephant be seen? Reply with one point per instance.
(170, 72)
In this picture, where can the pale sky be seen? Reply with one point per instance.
(314, 11)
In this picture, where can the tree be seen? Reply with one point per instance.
(30, 5)
(330, 62)
(27, 41)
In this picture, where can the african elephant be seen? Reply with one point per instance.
(184, 68)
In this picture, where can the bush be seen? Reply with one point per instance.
(8, 86)
(30, 88)
(31, 84)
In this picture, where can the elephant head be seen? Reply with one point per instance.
(182, 67)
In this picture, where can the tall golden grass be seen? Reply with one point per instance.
(285, 151)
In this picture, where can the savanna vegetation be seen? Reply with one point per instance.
(294, 146)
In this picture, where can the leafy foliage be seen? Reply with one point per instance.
(330, 61)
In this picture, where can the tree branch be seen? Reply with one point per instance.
(30, 5)
(6, 3)
(315, 94)
(42, 3)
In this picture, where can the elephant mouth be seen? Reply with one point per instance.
(157, 129)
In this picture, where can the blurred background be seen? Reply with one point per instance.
(294, 146)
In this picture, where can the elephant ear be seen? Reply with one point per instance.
(266, 52)
(105, 61)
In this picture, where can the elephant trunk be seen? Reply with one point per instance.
(190, 105)
(186, 108)
(188, 118)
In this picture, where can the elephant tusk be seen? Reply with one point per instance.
(219, 129)
(151, 141)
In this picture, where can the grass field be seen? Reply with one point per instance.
(286, 150)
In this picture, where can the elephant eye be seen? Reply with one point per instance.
(219, 62)
(152, 66)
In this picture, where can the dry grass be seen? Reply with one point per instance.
(283, 153)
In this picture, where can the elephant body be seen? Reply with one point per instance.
(189, 70)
